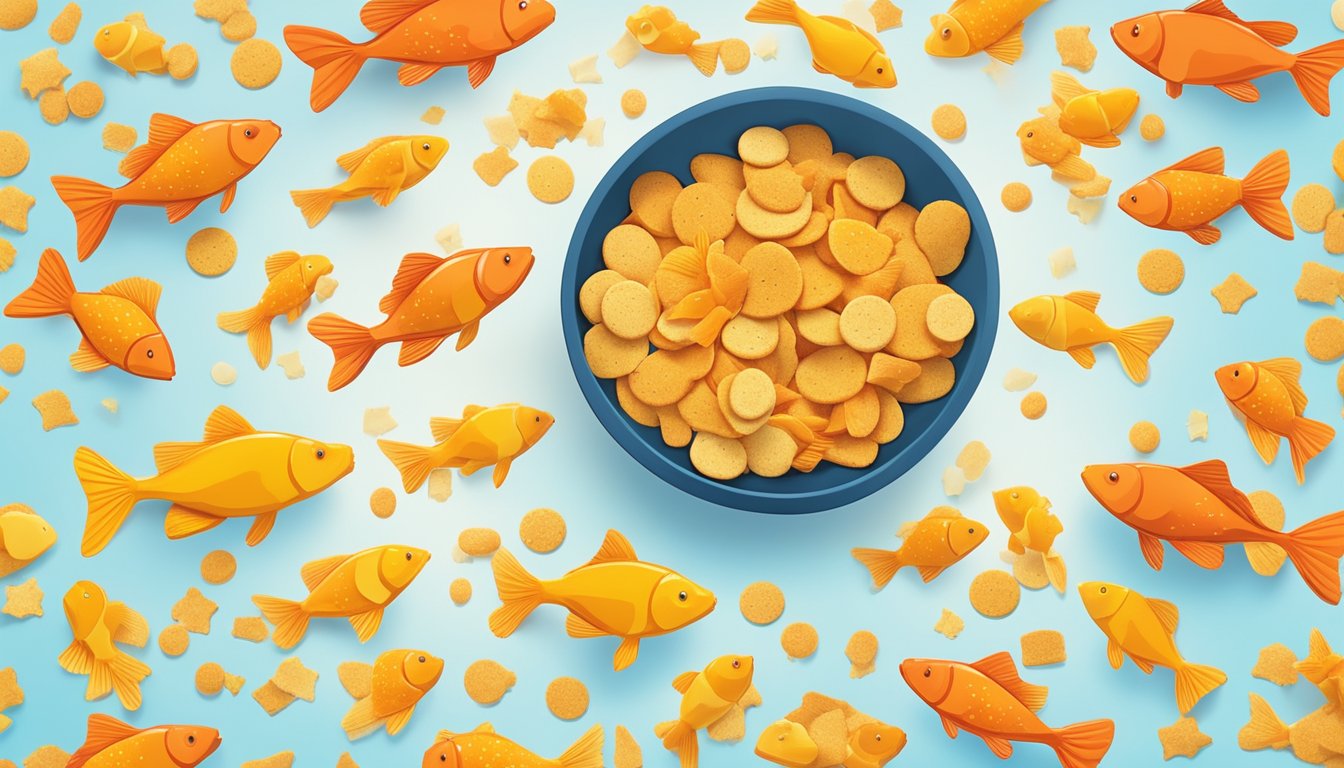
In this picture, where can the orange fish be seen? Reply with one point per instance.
(181, 165)
(400, 679)
(1207, 44)
(1199, 511)
(110, 743)
(97, 626)
(1267, 397)
(1188, 196)
(989, 700)
(932, 545)
(423, 36)
(293, 278)
(483, 748)
(117, 324)
(431, 299)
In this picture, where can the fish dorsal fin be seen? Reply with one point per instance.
(277, 262)
(378, 16)
(1212, 475)
(1289, 371)
(353, 159)
(615, 548)
(682, 683)
(471, 410)
(1210, 160)
(907, 528)
(1167, 613)
(140, 291)
(166, 129)
(484, 728)
(414, 268)
(1276, 33)
(168, 456)
(104, 731)
(444, 427)
(1001, 669)
(1086, 299)
(225, 423)
(313, 573)
(446, 735)
(943, 512)
(1065, 88)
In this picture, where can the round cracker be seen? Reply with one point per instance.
(899, 222)
(665, 377)
(255, 63)
(821, 284)
(542, 530)
(703, 209)
(718, 458)
(631, 250)
(858, 247)
(595, 287)
(942, 231)
(819, 326)
(53, 106)
(174, 640)
(831, 375)
(750, 338)
(218, 567)
(210, 679)
(487, 681)
(1033, 405)
(1144, 436)
(739, 427)
(1016, 196)
(936, 378)
(13, 153)
(611, 357)
(567, 698)
(1311, 205)
(383, 502)
(949, 122)
(239, 26)
(763, 147)
(85, 99)
(774, 280)
(1162, 271)
(777, 189)
(808, 142)
(478, 542)
(875, 182)
(182, 61)
(633, 103)
(1030, 571)
(735, 55)
(629, 310)
(890, 418)
(752, 394)
(651, 199)
(861, 650)
(459, 591)
(16, 14)
(913, 339)
(211, 252)
(770, 451)
(1152, 128)
(868, 323)
(768, 225)
(950, 317)
(550, 179)
(761, 602)
(995, 594)
(799, 640)
(1325, 339)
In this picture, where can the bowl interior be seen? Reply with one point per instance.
(856, 128)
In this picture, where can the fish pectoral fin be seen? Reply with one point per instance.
(86, 359)
(1242, 91)
(1266, 443)
(682, 683)
(399, 720)
(579, 627)
(1008, 48)
(378, 16)
(950, 728)
(1002, 748)
(261, 528)
(182, 522)
(479, 70)
(1174, 89)
(1205, 235)
(468, 334)
(366, 624)
(1074, 167)
(1143, 664)
(1166, 612)
(295, 313)
(501, 471)
(1152, 550)
(930, 572)
(414, 74)
(386, 195)
(413, 352)
(227, 199)
(76, 659)
(1102, 142)
(1201, 553)
(1114, 655)
(1083, 356)
(181, 209)
(1056, 571)
(128, 626)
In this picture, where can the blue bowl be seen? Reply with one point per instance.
(859, 129)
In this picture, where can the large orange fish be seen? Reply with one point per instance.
(181, 165)
(1207, 44)
(1268, 398)
(423, 36)
(117, 324)
(431, 299)
(483, 748)
(110, 743)
(1188, 196)
(989, 700)
(1199, 511)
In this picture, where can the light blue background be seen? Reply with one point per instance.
(1227, 615)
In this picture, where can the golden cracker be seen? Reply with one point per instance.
(54, 408)
(255, 63)
(550, 179)
(949, 122)
(567, 698)
(799, 640)
(1043, 648)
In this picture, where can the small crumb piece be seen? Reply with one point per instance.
(118, 137)
(14, 207)
(278, 760)
(1016, 380)
(54, 408)
(290, 363)
(383, 502)
(295, 679)
(1325, 339)
(7, 254)
(1151, 127)
(223, 373)
(567, 698)
(1062, 263)
(325, 287)
(12, 357)
(861, 650)
(487, 681)
(949, 625)
(767, 47)
(1144, 436)
(1182, 739)
(954, 481)
(111, 404)
(194, 610)
(1276, 664)
(1319, 284)
(1033, 405)
(478, 542)
(1016, 196)
(356, 678)
(459, 591)
(346, 761)
(47, 757)
(761, 603)
(886, 15)
(633, 103)
(949, 122)
(585, 70)
(542, 530)
(735, 55)
(250, 628)
(593, 132)
(433, 115)
(449, 238)
(378, 421)
(1097, 187)
(974, 459)
(218, 567)
(1042, 648)
(1075, 49)
(624, 51)
(1233, 292)
(1197, 425)
(1085, 209)
(995, 594)
(493, 166)
(440, 484)
(174, 640)
(23, 600)
(234, 683)
(799, 640)
(502, 130)
(628, 753)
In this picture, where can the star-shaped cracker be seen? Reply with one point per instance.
(23, 600)
(1233, 292)
(41, 71)
(194, 610)
(1182, 739)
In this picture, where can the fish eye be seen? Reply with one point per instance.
(877, 737)
(1236, 374)
(425, 146)
(538, 418)
(1013, 495)
(422, 659)
(408, 556)
(681, 596)
(1103, 590)
(1030, 134)
(191, 739)
(443, 757)
(508, 259)
(736, 664)
(1114, 477)
(879, 70)
(971, 530)
(321, 454)
(247, 132)
(1135, 31)
(107, 32)
(522, 6)
(928, 671)
(947, 32)
(149, 353)
(1133, 198)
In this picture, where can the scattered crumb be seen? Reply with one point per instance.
(194, 610)
(493, 166)
(886, 15)
(295, 679)
(1043, 648)
(633, 103)
(624, 51)
(54, 408)
(250, 628)
(1033, 405)
(1075, 49)
(767, 47)
(23, 600)
(949, 625)
(378, 421)
(440, 484)
(118, 137)
(1197, 425)
(223, 373)
(1233, 292)
(1276, 665)
(433, 115)
(1016, 380)
(585, 70)
(567, 698)
(954, 481)
(450, 238)
(290, 363)
(1062, 262)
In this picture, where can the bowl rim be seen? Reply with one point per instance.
(622, 428)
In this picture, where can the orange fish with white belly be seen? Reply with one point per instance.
(235, 471)
(483, 748)
(113, 744)
(181, 166)
(706, 697)
(292, 280)
(932, 545)
(117, 324)
(98, 625)
(431, 299)
(481, 438)
(1188, 196)
(972, 26)
(1269, 400)
(1070, 324)
(614, 594)
(400, 679)
(423, 36)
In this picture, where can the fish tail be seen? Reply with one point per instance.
(584, 753)
(413, 462)
(111, 495)
(1313, 72)
(257, 325)
(520, 591)
(1137, 343)
(680, 738)
(1318, 663)
(351, 343)
(288, 616)
(705, 57)
(361, 721)
(315, 204)
(1306, 439)
(1262, 194)
(1315, 549)
(1194, 682)
(335, 62)
(50, 292)
(881, 563)
(774, 12)
(1265, 730)
(1083, 745)
(93, 207)
(125, 673)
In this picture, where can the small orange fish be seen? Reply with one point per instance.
(1096, 118)
(181, 166)
(1044, 142)
(873, 745)
(117, 324)
(657, 28)
(481, 438)
(381, 169)
(972, 26)
(423, 36)
(110, 743)
(1311, 738)
(293, 278)
(98, 625)
(706, 697)
(932, 545)
(400, 679)
(431, 299)
(1188, 196)
(1268, 398)
(483, 748)
(1070, 323)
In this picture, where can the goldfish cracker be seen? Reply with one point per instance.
(839, 46)
(931, 545)
(93, 616)
(401, 678)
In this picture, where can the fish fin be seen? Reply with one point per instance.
(378, 16)
(1008, 48)
(1152, 550)
(278, 262)
(259, 339)
(442, 428)
(1174, 89)
(1209, 160)
(139, 159)
(1083, 745)
(1266, 443)
(1313, 71)
(1265, 730)
(140, 291)
(1194, 682)
(1212, 476)
(181, 209)
(1000, 668)
(579, 627)
(225, 423)
(50, 293)
(86, 359)
(360, 720)
(1205, 235)
(1262, 193)
(1075, 167)
(1083, 356)
(774, 12)
(468, 334)
(93, 207)
(1002, 748)
(1266, 559)
(412, 271)
(128, 626)
(471, 466)
(335, 62)
(226, 200)
(1289, 372)
(1166, 612)
(288, 616)
(366, 624)
(615, 549)
(76, 659)
(111, 495)
(471, 409)
(1015, 544)
(413, 352)
(682, 683)
(626, 653)
(1318, 663)
(584, 753)
(482, 728)
(520, 591)
(946, 513)
(314, 204)
(1056, 571)
(315, 572)
(1276, 33)
(1201, 553)
(930, 572)
(351, 344)
(1315, 549)
(680, 738)
(705, 57)
(1102, 142)
(1242, 91)
(182, 522)
(479, 70)
(950, 728)
(1114, 655)
(261, 528)
(501, 471)
(103, 732)
(415, 74)
(1145, 666)
(165, 129)
(1086, 299)
(294, 314)
(399, 720)
(126, 672)
(881, 563)
(1137, 343)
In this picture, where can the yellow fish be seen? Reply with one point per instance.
(1070, 324)
(381, 169)
(706, 697)
(1032, 526)
(615, 593)
(1096, 118)
(1315, 739)
(24, 537)
(1324, 668)
(483, 748)
(657, 29)
(235, 471)
(98, 625)
(710, 308)
(292, 279)
(357, 587)
(483, 436)
(972, 26)
(873, 745)
(1267, 397)
(839, 46)
(134, 49)
(1045, 143)
(1144, 629)
(787, 743)
(400, 679)
(932, 545)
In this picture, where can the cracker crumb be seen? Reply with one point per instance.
(433, 115)
(628, 754)
(585, 70)
(118, 137)
(886, 15)
(1075, 49)
(378, 421)
(251, 628)
(1033, 405)
(23, 600)
(440, 484)
(767, 47)
(1062, 263)
(1152, 128)
(949, 625)
(624, 51)
(294, 678)
(1182, 739)
(1043, 648)
(223, 373)
(54, 408)
(1017, 380)
(1197, 425)
(194, 610)
(449, 238)
(1276, 664)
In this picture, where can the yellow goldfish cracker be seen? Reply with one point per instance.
(1016, 196)
(487, 681)
(54, 408)
(1275, 664)
(14, 207)
(652, 196)
(1098, 186)
(211, 252)
(832, 375)
(1075, 49)
(885, 15)
(550, 179)
(633, 103)
(1325, 339)
(23, 600)
(278, 760)
(1033, 405)
(629, 310)
(1151, 127)
(974, 459)
(459, 591)
(182, 61)
(702, 209)
(861, 650)
(611, 357)
(85, 99)
(761, 603)
(218, 567)
(255, 63)
(1182, 739)
(478, 542)
(1161, 271)
(567, 698)
(807, 142)
(1043, 648)
(949, 122)
(494, 165)
(250, 628)
(42, 71)
(1144, 436)
(383, 502)
(13, 153)
(799, 640)
(936, 378)
(1311, 205)
(11, 359)
(942, 231)
(950, 317)
(194, 610)
(1319, 283)
(995, 594)
(716, 457)
(223, 374)
(295, 679)
(210, 679)
(1233, 292)
(1334, 232)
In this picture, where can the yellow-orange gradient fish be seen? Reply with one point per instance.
(481, 438)
(292, 280)
(1269, 400)
(400, 679)
(1096, 118)
(971, 26)
(110, 743)
(706, 697)
(98, 625)
(657, 28)
(483, 748)
(133, 48)
(932, 545)
(381, 169)
(1070, 324)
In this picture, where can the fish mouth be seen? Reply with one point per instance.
(213, 746)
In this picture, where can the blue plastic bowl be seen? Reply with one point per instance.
(859, 129)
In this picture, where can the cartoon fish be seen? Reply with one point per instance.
(98, 625)
(1267, 397)
(24, 537)
(1188, 196)
(657, 28)
(1207, 44)
(110, 743)
(1096, 118)
(1070, 324)
(787, 743)
(988, 699)
(291, 281)
(423, 36)
(381, 169)
(483, 748)
(1045, 143)
(615, 593)
(839, 46)
(1310, 738)
(235, 471)
(1199, 511)
(873, 745)
(714, 306)
(431, 299)
(481, 438)
(181, 166)
(400, 679)
(932, 545)
(1032, 526)
(357, 587)
(706, 697)
(117, 325)
(972, 26)
(1324, 668)
(132, 48)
